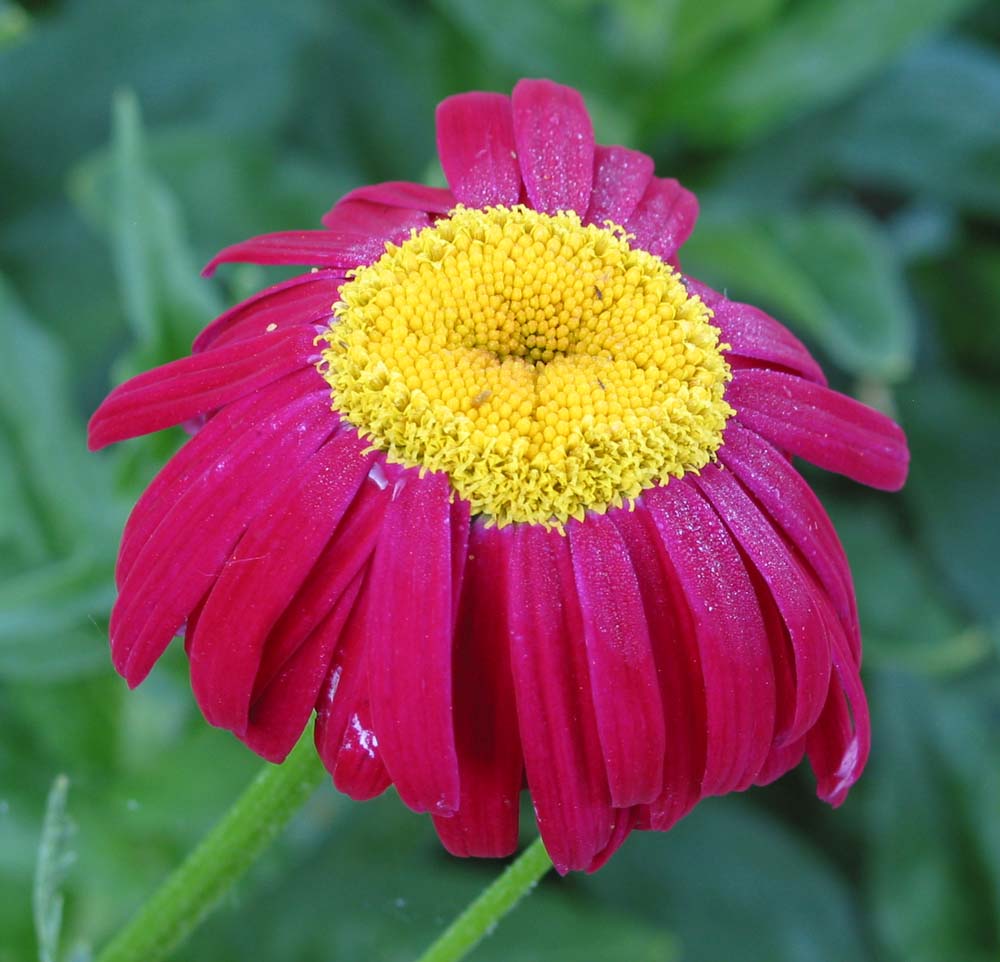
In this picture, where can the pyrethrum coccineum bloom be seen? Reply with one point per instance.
(506, 498)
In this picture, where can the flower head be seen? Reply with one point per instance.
(504, 496)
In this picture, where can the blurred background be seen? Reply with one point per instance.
(847, 157)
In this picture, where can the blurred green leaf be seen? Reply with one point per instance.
(54, 859)
(780, 901)
(816, 52)
(828, 273)
(48, 618)
(934, 853)
(55, 485)
(929, 127)
(905, 618)
(166, 301)
(952, 428)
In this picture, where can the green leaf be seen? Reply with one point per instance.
(166, 301)
(906, 619)
(929, 127)
(54, 860)
(952, 428)
(52, 482)
(778, 900)
(817, 52)
(52, 618)
(830, 274)
(933, 843)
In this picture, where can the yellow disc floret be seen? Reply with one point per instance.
(547, 367)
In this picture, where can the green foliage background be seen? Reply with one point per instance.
(847, 156)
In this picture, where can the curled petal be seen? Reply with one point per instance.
(829, 429)
(312, 248)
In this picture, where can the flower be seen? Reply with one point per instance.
(505, 497)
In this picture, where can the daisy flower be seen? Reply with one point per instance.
(506, 499)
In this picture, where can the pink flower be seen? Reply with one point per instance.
(504, 497)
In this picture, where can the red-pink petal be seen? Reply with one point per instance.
(359, 771)
(230, 430)
(489, 747)
(757, 336)
(410, 643)
(183, 556)
(678, 663)
(829, 429)
(273, 559)
(562, 749)
(475, 139)
(555, 145)
(307, 299)
(343, 558)
(735, 655)
(797, 600)
(663, 218)
(839, 744)
(304, 301)
(315, 248)
(795, 509)
(623, 678)
(280, 712)
(198, 384)
(377, 220)
(404, 194)
(625, 820)
(621, 177)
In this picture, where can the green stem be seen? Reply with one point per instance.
(220, 860)
(481, 917)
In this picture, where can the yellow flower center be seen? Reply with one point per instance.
(547, 367)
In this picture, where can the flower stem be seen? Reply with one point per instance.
(220, 860)
(481, 917)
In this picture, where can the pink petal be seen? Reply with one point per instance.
(796, 510)
(489, 747)
(735, 655)
(555, 145)
(409, 196)
(562, 749)
(757, 336)
(346, 554)
(797, 600)
(198, 533)
(625, 821)
(280, 712)
(273, 559)
(781, 760)
(410, 640)
(623, 676)
(377, 220)
(475, 138)
(186, 388)
(678, 663)
(664, 218)
(829, 429)
(231, 429)
(315, 248)
(839, 745)
(620, 179)
(359, 771)
(307, 299)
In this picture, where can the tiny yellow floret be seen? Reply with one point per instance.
(546, 366)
